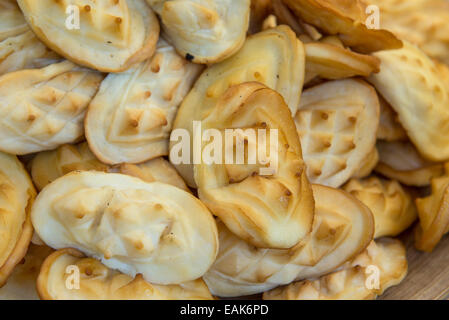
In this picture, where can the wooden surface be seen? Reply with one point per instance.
(428, 274)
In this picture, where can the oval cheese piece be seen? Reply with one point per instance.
(204, 31)
(337, 123)
(388, 256)
(105, 35)
(98, 282)
(49, 165)
(41, 109)
(153, 229)
(417, 88)
(131, 117)
(348, 19)
(343, 227)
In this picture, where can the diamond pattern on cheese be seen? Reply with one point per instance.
(417, 88)
(337, 123)
(153, 229)
(343, 227)
(109, 36)
(392, 206)
(49, 165)
(131, 117)
(269, 202)
(41, 109)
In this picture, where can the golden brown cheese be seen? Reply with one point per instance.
(337, 123)
(346, 18)
(382, 265)
(343, 228)
(97, 282)
(204, 31)
(392, 206)
(154, 229)
(41, 109)
(268, 204)
(274, 57)
(131, 117)
(110, 36)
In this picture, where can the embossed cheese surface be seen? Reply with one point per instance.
(109, 36)
(41, 109)
(386, 255)
(97, 282)
(391, 205)
(271, 209)
(153, 229)
(346, 18)
(49, 165)
(337, 123)
(131, 117)
(274, 57)
(343, 227)
(417, 88)
(206, 31)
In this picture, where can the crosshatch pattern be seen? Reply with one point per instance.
(338, 130)
(43, 108)
(131, 118)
